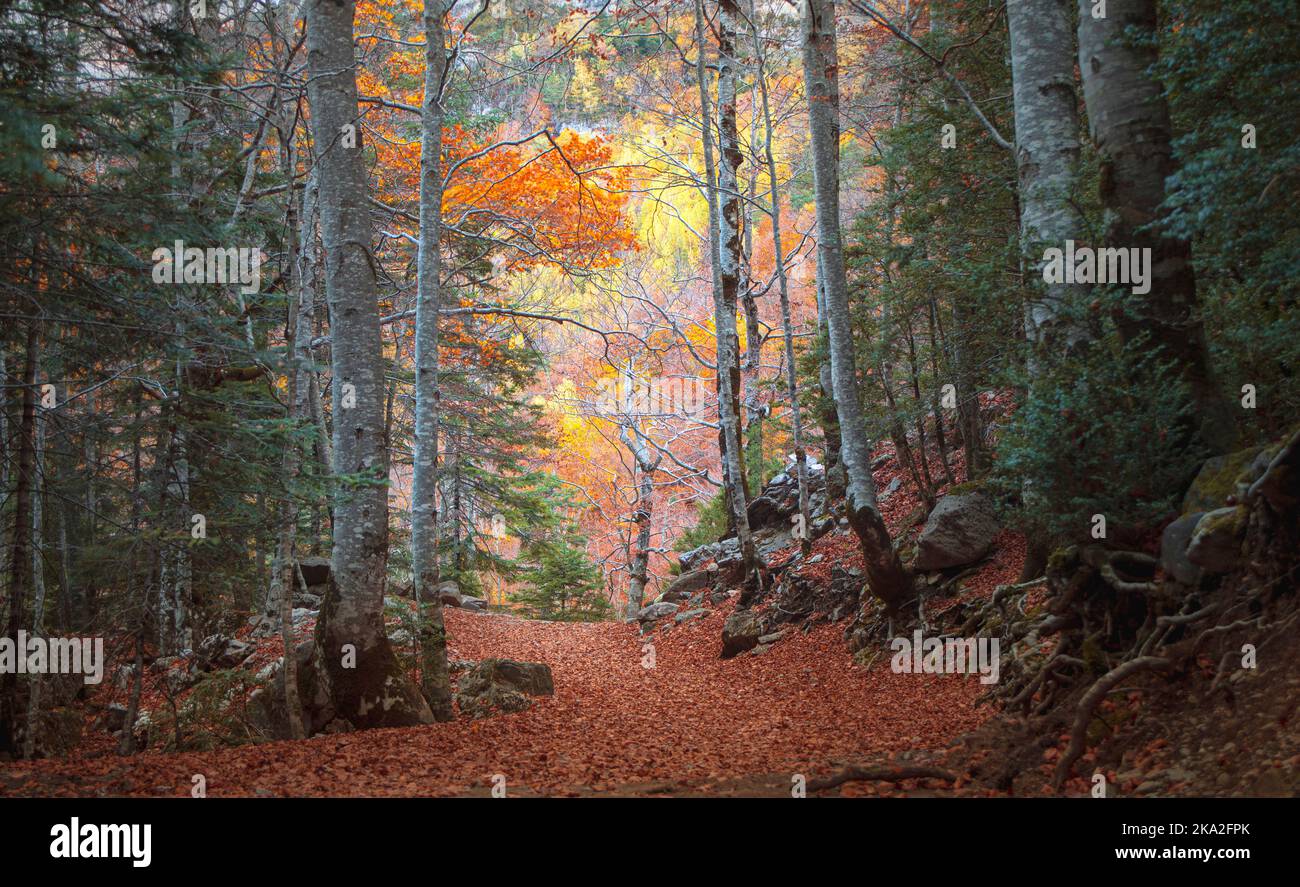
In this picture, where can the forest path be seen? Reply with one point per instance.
(693, 723)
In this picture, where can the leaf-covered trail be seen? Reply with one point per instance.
(690, 722)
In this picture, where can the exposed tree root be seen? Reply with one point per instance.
(880, 774)
(1088, 704)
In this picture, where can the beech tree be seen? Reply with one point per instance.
(724, 247)
(1128, 117)
(424, 484)
(1047, 160)
(885, 574)
(361, 678)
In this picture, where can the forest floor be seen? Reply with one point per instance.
(692, 724)
(696, 724)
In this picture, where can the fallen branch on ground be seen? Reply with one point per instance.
(880, 774)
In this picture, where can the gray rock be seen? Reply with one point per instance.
(1173, 550)
(959, 531)
(307, 600)
(1218, 478)
(836, 480)
(1216, 543)
(503, 685)
(265, 708)
(218, 651)
(689, 615)
(685, 585)
(893, 488)
(470, 602)
(740, 632)
(447, 593)
(315, 570)
(697, 557)
(769, 540)
(656, 611)
(765, 511)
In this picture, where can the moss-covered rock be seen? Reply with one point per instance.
(741, 632)
(1220, 475)
(1216, 544)
(502, 685)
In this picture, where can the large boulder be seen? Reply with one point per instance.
(959, 531)
(779, 498)
(447, 593)
(1173, 549)
(657, 611)
(1224, 476)
(1215, 546)
(315, 571)
(741, 632)
(686, 585)
(218, 651)
(769, 540)
(502, 685)
(713, 551)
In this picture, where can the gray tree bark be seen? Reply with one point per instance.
(35, 682)
(723, 319)
(424, 483)
(20, 563)
(356, 665)
(783, 284)
(730, 254)
(1047, 159)
(1129, 121)
(647, 463)
(886, 577)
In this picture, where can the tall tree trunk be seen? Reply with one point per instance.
(723, 320)
(828, 417)
(35, 682)
(1047, 159)
(175, 576)
(970, 424)
(1129, 120)
(646, 465)
(885, 575)
(362, 678)
(126, 742)
(307, 391)
(20, 562)
(730, 254)
(436, 681)
(783, 286)
(936, 401)
(285, 569)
